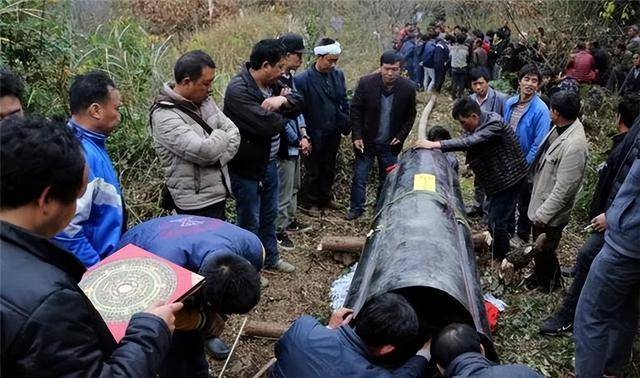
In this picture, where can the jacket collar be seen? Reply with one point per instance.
(570, 130)
(43, 249)
(349, 337)
(81, 132)
(466, 364)
(167, 92)
(250, 81)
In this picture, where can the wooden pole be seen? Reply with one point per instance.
(270, 330)
(342, 243)
(263, 371)
(235, 343)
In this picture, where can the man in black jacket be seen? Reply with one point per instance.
(260, 107)
(610, 177)
(49, 327)
(494, 155)
(383, 110)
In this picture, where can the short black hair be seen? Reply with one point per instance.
(232, 284)
(35, 154)
(11, 84)
(581, 45)
(437, 133)
(390, 57)
(629, 109)
(464, 107)
(454, 340)
(89, 88)
(190, 65)
(326, 41)
(387, 319)
(529, 69)
(461, 38)
(478, 33)
(267, 50)
(595, 44)
(478, 72)
(566, 103)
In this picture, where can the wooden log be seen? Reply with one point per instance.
(342, 243)
(263, 371)
(269, 330)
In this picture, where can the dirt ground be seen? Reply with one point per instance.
(306, 291)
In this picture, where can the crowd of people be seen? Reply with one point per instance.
(62, 208)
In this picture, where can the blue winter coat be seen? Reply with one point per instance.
(427, 53)
(311, 350)
(475, 365)
(99, 221)
(623, 217)
(189, 240)
(534, 124)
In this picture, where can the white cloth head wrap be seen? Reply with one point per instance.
(332, 49)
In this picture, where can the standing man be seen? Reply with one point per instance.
(260, 107)
(529, 118)
(194, 139)
(326, 112)
(99, 221)
(293, 141)
(631, 85)
(558, 171)
(49, 327)
(11, 92)
(633, 46)
(383, 110)
(496, 160)
(489, 100)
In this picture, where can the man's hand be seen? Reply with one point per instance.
(538, 223)
(340, 317)
(427, 144)
(273, 103)
(285, 91)
(599, 223)
(394, 141)
(358, 144)
(166, 312)
(305, 146)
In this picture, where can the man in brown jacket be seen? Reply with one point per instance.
(558, 170)
(193, 156)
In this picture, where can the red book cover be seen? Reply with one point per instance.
(130, 281)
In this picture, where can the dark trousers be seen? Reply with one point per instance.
(320, 169)
(523, 225)
(607, 314)
(440, 73)
(586, 254)
(547, 266)
(362, 167)
(257, 208)
(212, 211)
(458, 82)
(479, 198)
(500, 209)
(186, 357)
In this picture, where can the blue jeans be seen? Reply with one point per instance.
(362, 167)
(607, 314)
(257, 207)
(500, 208)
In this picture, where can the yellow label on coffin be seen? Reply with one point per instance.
(424, 181)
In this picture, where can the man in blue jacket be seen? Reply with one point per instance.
(229, 257)
(326, 111)
(100, 220)
(530, 119)
(434, 58)
(385, 330)
(607, 314)
(458, 353)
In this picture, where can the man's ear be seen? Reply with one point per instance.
(44, 199)
(385, 349)
(441, 369)
(94, 111)
(185, 81)
(265, 64)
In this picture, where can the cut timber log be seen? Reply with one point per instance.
(342, 243)
(269, 330)
(263, 371)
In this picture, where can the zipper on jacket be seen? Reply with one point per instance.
(196, 177)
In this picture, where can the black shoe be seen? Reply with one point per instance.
(284, 242)
(568, 272)
(558, 324)
(352, 216)
(296, 226)
(218, 349)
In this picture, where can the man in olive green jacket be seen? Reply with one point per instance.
(557, 171)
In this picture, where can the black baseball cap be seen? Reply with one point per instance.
(293, 43)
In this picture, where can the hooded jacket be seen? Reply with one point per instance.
(194, 163)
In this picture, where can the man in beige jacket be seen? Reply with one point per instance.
(558, 170)
(194, 156)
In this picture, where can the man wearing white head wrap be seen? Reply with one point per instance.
(326, 112)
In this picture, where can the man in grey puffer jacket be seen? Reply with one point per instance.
(194, 159)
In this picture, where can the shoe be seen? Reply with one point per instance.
(474, 212)
(558, 324)
(312, 211)
(352, 216)
(282, 266)
(296, 226)
(517, 242)
(331, 206)
(218, 349)
(284, 242)
(568, 272)
(264, 282)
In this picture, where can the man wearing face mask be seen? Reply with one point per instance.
(260, 106)
(99, 219)
(194, 139)
(325, 111)
(383, 110)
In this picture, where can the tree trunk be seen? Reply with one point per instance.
(270, 330)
